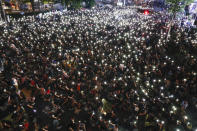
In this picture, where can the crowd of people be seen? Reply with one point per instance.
(97, 70)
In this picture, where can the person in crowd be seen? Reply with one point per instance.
(96, 70)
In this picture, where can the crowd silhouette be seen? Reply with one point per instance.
(97, 70)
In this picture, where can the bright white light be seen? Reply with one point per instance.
(120, 78)
(186, 117)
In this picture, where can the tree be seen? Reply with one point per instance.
(176, 6)
(2, 12)
(66, 2)
(187, 2)
(32, 5)
(76, 4)
(90, 3)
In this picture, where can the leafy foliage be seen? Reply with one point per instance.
(66, 2)
(90, 3)
(187, 2)
(177, 5)
(76, 4)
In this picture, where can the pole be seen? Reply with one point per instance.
(2, 12)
